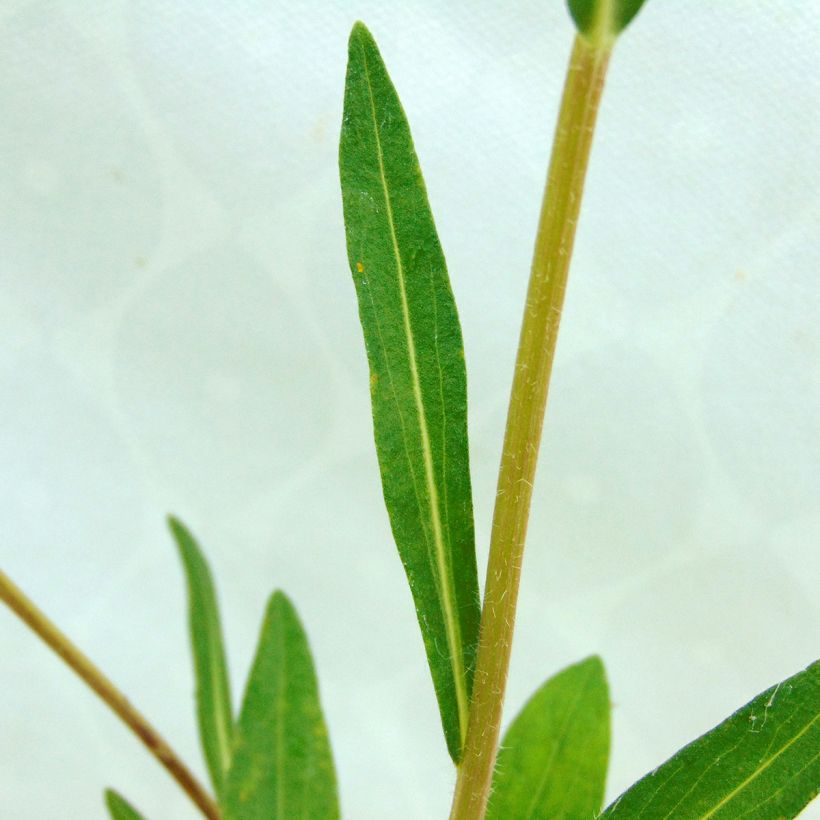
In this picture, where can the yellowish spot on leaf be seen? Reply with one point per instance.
(360, 267)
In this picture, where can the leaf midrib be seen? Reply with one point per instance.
(760, 769)
(562, 733)
(444, 576)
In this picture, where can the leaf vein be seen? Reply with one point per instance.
(444, 577)
(760, 769)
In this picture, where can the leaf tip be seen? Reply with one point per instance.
(182, 536)
(360, 32)
(175, 525)
(595, 662)
(118, 807)
(359, 28)
(279, 603)
(595, 670)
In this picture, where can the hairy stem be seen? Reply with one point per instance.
(28, 612)
(539, 331)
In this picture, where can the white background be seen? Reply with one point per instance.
(179, 332)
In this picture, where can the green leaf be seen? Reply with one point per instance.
(213, 695)
(119, 808)
(418, 381)
(762, 762)
(601, 21)
(553, 760)
(282, 766)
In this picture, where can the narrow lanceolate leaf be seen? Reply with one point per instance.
(762, 763)
(601, 21)
(213, 695)
(553, 759)
(282, 766)
(119, 808)
(417, 374)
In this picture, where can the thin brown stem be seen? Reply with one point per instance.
(539, 331)
(39, 623)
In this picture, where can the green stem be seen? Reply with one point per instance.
(28, 612)
(539, 332)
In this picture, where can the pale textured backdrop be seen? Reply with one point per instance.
(178, 331)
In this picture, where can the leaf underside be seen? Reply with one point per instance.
(282, 764)
(417, 373)
(213, 695)
(119, 808)
(553, 759)
(762, 763)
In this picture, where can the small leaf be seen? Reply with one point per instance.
(553, 760)
(417, 375)
(282, 766)
(762, 762)
(213, 695)
(601, 21)
(119, 808)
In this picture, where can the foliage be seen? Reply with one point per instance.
(275, 759)
(418, 381)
